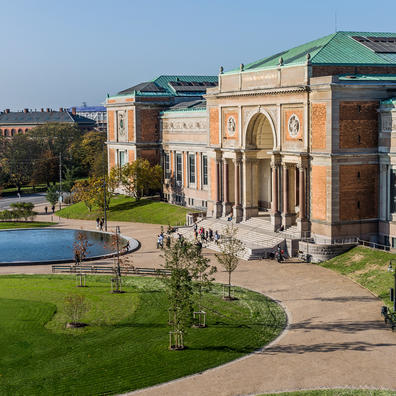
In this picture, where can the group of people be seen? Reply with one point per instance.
(99, 223)
(162, 238)
(205, 235)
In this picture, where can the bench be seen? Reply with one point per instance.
(95, 269)
(389, 317)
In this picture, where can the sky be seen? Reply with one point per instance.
(62, 53)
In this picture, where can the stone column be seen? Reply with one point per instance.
(286, 217)
(237, 210)
(301, 191)
(218, 204)
(302, 222)
(226, 204)
(275, 216)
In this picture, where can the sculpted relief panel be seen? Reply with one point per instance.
(184, 124)
(122, 132)
(230, 127)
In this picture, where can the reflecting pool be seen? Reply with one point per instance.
(46, 245)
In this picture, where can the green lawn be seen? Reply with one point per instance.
(24, 224)
(367, 267)
(124, 208)
(336, 392)
(125, 346)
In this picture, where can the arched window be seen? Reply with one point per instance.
(20, 131)
(13, 132)
(1, 131)
(26, 130)
(6, 132)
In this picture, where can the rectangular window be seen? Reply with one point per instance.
(167, 167)
(393, 191)
(394, 242)
(205, 170)
(121, 158)
(191, 167)
(179, 167)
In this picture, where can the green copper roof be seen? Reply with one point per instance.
(367, 77)
(173, 86)
(337, 49)
(389, 102)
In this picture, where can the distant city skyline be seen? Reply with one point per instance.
(61, 54)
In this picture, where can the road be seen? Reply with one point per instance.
(37, 198)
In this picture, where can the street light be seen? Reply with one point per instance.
(392, 291)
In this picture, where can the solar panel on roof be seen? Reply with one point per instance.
(384, 45)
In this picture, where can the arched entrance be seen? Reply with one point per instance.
(260, 142)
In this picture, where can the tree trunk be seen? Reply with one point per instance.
(229, 285)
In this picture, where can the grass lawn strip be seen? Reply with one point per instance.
(336, 392)
(367, 267)
(4, 225)
(125, 346)
(124, 208)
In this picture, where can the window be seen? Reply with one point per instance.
(166, 165)
(393, 191)
(394, 242)
(121, 158)
(191, 168)
(179, 167)
(205, 170)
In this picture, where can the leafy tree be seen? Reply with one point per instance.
(52, 195)
(19, 156)
(230, 247)
(139, 177)
(68, 182)
(82, 192)
(46, 169)
(92, 152)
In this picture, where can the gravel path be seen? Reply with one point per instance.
(335, 337)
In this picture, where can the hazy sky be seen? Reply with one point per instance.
(60, 53)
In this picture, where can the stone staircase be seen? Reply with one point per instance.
(256, 234)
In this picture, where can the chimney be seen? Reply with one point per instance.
(73, 110)
(48, 109)
(26, 110)
(6, 111)
(42, 110)
(61, 109)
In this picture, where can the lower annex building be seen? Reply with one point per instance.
(307, 135)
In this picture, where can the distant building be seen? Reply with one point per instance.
(15, 122)
(95, 113)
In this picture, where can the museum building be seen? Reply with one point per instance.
(304, 136)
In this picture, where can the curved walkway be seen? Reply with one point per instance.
(335, 338)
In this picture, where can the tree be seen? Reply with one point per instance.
(68, 182)
(139, 177)
(46, 169)
(83, 192)
(19, 157)
(75, 307)
(230, 247)
(52, 195)
(80, 250)
(90, 149)
(179, 290)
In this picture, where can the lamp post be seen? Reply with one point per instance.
(104, 188)
(393, 297)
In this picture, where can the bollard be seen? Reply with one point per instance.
(391, 294)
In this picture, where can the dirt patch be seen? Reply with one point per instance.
(356, 257)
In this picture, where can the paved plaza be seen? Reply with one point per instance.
(335, 336)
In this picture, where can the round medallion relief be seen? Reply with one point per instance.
(231, 126)
(293, 125)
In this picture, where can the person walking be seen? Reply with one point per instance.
(216, 237)
(101, 225)
(46, 210)
(53, 208)
(97, 223)
(210, 234)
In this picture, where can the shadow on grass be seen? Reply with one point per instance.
(130, 205)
